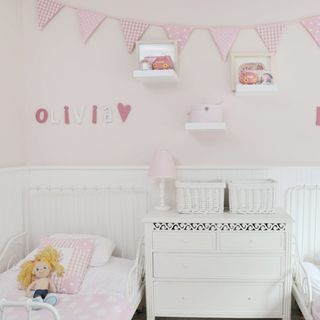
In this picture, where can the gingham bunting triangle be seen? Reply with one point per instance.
(312, 25)
(224, 39)
(270, 35)
(179, 33)
(89, 21)
(47, 10)
(132, 32)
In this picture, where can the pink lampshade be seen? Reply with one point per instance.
(162, 165)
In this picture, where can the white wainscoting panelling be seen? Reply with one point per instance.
(11, 203)
(138, 176)
(12, 181)
(113, 212)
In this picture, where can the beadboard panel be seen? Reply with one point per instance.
(111, 212)
(138, 176)
(14, 181)
(11, 203)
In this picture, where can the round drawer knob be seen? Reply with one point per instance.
(250, 241)
(249, 299)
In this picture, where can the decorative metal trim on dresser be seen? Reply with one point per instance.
(220, 226)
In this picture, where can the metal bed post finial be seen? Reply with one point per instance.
(2, 303)
(29, 308)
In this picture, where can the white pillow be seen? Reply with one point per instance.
(29, 256)
(314, 276)
(103, 247)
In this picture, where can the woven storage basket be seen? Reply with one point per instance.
(252, 196)
(200, 197)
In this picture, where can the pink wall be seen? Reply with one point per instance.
(11, 85)
(275, 129)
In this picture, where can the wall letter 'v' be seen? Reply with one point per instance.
(79, 114)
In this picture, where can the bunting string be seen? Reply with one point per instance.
(134, 29)
(204, 26)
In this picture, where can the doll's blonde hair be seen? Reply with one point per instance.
(49, 256)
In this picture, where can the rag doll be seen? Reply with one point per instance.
(35, 275)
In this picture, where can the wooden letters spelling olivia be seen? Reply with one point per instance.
(70, 115)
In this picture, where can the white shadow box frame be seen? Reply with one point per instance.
(157, 49)
(237, 59)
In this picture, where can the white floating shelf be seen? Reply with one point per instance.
(205, 126)
(255, 88)
(156, 75)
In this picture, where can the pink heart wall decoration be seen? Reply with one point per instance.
(124, 110)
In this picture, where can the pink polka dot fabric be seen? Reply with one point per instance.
(179, 33)
(76, 256)
(270, 35)
(132, 32)
(312, 25)
(89, 21)
(224, 39)
(47, 10)
(79, 307)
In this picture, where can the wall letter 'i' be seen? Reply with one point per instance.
(66, 115)
(318, 116)
(94, 114)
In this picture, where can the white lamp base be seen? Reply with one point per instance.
(162, 206)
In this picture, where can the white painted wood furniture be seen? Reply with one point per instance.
(218, 265)
(303, 204)
(113, 211)
(267, 59)
(156, 49)
(205, 126)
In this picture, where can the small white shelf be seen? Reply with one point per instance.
(205, 126)
(156, 75)
(255, 88)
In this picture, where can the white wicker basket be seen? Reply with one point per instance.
(252, 196)
(200, 197)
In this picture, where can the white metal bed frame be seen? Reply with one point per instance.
(303, 203)
(18, 246)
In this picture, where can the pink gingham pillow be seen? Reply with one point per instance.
(76, 255)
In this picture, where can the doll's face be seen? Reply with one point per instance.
(41, 270)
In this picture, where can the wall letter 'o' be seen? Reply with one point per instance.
(42, 115)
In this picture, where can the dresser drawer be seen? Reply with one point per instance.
(175, 240)
(252, 241)
(214, 299)
(199, 266)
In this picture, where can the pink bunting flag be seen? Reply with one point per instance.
(89, 22)
(270, 35)
(224, 39)
(179, 33)
(318, 116)
(132, 32)
(47, 10)
(312, 25)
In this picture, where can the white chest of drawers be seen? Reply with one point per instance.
(218, 265)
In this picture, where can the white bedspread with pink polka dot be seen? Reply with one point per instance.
(78, 307)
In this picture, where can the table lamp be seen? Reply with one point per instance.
(162, 167)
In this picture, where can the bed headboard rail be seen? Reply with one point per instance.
(113, 211)
(303, 203)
